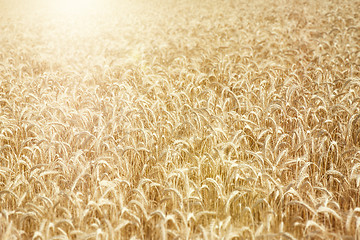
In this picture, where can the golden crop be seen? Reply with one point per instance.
(180, 120)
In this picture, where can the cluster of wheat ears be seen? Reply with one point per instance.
(181, 120)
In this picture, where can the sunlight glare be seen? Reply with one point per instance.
(75, 7)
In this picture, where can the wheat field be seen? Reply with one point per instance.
(180, 119)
